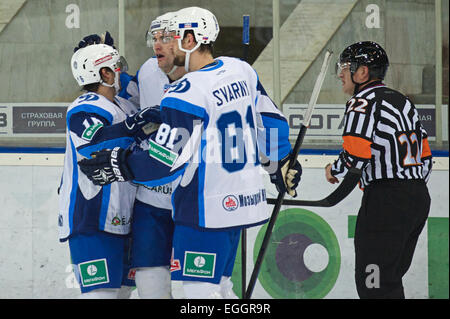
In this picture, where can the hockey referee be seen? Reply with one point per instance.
(384, 138)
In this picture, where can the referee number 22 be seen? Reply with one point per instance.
(412, 156)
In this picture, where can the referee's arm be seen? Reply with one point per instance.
(357, 138)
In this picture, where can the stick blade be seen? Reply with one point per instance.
(342, 191)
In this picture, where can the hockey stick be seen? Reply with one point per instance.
(245, 46)
(348, 184)
(294, 154)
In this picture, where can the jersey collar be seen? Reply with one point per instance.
(212, 66)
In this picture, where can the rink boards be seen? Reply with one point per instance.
(311, 254)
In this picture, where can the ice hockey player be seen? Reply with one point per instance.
(96, 219)
(215, 122)
(152, 226)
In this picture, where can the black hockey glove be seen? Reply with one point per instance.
(143, 123)
(104, 38)
(285, 179)
(107, 166)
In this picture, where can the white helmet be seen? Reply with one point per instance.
(87, 62)
(160, 23)
(201, 21)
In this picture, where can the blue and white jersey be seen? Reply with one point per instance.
(83, 206)
(216, 122)
(148, 88)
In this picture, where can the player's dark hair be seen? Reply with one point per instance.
(203, 47)
(93, 87)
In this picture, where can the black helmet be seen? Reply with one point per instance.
(366, 53)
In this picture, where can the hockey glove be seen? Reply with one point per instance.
(104, 38)
(285, 179)
(143, 123)
(107, 166)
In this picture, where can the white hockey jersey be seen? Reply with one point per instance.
(216, 121)
(148, 88)
(83, 206)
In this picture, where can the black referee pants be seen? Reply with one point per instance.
(390, 220)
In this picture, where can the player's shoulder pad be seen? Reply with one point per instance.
(91, 103)
(150, 65)
(186, 95)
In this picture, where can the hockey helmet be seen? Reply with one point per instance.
(87, 62)
(366, 53)
(161, 23)
(201, 21)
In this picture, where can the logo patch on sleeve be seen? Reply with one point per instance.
(89, 133)
(94, 272)
(162, 154)
(198, 264)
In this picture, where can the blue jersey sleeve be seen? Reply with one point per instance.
(276, 139)
(171, 147)
(273, 128)
(96, 132)
(130, 88)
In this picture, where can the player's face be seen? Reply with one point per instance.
(179, 56)
(345, 76)
(162, 44)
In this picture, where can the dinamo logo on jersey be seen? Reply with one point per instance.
(230, 203)
(88, 97)
(180, 87)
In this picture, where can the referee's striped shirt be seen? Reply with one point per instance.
(383, 137)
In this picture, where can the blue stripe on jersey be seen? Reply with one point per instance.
(89, 108)
(125, 79)
(163, 180)
(271, 120)
(261, 89)
(185, 201)
(87, 149)
(201, 185)
(136, 78)
(74, 186)
(105, 203)
(180, 105)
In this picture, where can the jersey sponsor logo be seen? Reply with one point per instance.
(230, 203)
(199, 264)
(94, 272)
(180, 87)
(252, 199)
(89, 133)
(162, 154)
(120, 221)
